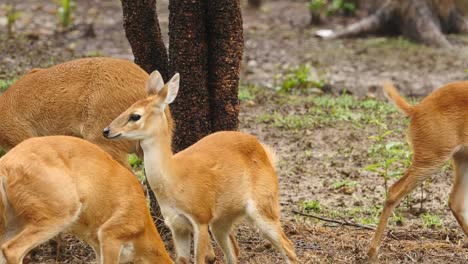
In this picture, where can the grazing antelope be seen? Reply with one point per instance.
(77, 98)
(437, 128)
(220, 179)
(59, 184)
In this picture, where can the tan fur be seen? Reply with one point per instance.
(222, 178)
(437, 129)
(58, 184)
(77, 98)
(392, 94)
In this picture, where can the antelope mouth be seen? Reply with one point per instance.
(113, 137)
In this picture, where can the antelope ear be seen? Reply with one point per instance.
(172, 88)
(155, 83)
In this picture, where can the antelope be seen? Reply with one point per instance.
(437, 129)
(65, 184)
(224, 177)
(77, 98)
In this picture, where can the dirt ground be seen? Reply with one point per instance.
(324, 142)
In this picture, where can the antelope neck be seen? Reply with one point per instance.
(158, 159)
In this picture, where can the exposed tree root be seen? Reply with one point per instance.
(424, 21)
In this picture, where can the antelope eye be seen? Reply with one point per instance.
(135, 117)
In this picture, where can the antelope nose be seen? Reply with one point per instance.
(105, 132)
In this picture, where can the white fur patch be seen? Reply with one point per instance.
(127, 253)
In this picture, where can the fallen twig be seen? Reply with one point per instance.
(344, 222)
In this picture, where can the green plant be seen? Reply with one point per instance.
(316, 8)
(386, 154)
(344, 183)
(134, 161)
(12, 15)
(247, 92)
(95, 53)
(316, 5)
(65, 12)
(313, 206)
(397, 218)
(301, 78)
(370, 216)
(5, 84)
(289, 122)
(431, 220)
(343, 6)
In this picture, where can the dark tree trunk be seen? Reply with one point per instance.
(142, 29)
(424, 21)
(188, 54)
(206, 45)
(225, 43)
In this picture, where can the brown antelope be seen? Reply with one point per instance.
(214, 183)
(59, 184)
(437, 128)
(77, 98)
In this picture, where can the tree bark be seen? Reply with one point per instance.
(188, 54)
(226, 44)
(423, 21)
(142, 29)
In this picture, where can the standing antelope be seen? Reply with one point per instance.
(210, 185)
(437, 128)
(77, 98)
(59, 183)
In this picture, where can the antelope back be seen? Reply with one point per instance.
(77, 98)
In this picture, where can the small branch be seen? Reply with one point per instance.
(343, 222)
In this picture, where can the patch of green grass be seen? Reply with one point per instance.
(342, 6)
(316, 5)
(300, 79)
(344, 183)
(5, 84)
(431, 220)
(331, 7)
(391, 43)
(95, 53)
(247, 92)
(397, 218)
(285, 121)
(311, 206)
(328, 110)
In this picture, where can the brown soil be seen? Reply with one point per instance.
(313, 158)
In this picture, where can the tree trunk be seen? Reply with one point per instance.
(225, 43)
(423, 21)
(206, 46)
(142, 29)
(188, 54)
